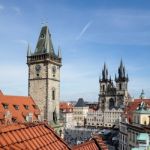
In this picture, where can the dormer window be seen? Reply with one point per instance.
(5, 106)
(16, 107)
(26, 107)
(35, 106)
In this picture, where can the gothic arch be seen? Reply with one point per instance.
(111, 103)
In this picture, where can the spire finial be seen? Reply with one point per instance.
(105, 72)
(142, 95)
(59, 52)
(28, 50)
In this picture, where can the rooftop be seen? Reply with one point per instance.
(18, 107)
(30, 136)
(96, 143)
(80, 103)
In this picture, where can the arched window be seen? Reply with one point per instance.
(120, 86)
(103, 87)
(111, 103)
(53, 94)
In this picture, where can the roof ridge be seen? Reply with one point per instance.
(16, 96)
(11, 127)
(58, 137)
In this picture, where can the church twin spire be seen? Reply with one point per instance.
(105, 73)
(121, 73)
(122, 76)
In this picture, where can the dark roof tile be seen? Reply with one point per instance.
(80, 103)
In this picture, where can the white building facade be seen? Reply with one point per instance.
(80, 111)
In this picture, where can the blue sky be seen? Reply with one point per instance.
(89, 34)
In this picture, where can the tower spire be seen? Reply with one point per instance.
(142, 95)
(105, 72)
(28, 50)
(59, 52)
(44, 44)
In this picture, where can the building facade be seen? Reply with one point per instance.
(80, 111)
(44, 76)
(105, 118)
(135, 125)
(66, 114)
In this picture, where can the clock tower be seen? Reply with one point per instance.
(44, 76)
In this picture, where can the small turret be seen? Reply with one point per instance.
(121, 73)
(28, 50)
(59, 53)
(142, 95)
(105, 73)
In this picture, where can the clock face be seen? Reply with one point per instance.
(54, 69)
(38, 68)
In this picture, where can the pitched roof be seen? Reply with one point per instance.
(132, 106)
(80, 103)
(18, 106)
(95, 143)
(44, 44)
(31, 137)
(66, 107)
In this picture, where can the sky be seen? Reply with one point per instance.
(89, 32)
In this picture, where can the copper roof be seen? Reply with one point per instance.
(30, 137)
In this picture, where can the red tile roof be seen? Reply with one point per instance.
(132, 106)
(30, 136)
(21, 102)
(95, 143)
(66, 107)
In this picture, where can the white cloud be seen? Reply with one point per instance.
(84, 30)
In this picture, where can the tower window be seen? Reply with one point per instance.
(37, 75)
(53, 94)
(103, 87)
(54, 71)
(120, 86)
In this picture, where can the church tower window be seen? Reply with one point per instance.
(53, 94)
(103, 87)
(120, 86)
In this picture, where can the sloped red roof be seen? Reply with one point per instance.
(66, 107)
(21, 101)
(132, 106)
(95, 143)
(30, 137)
